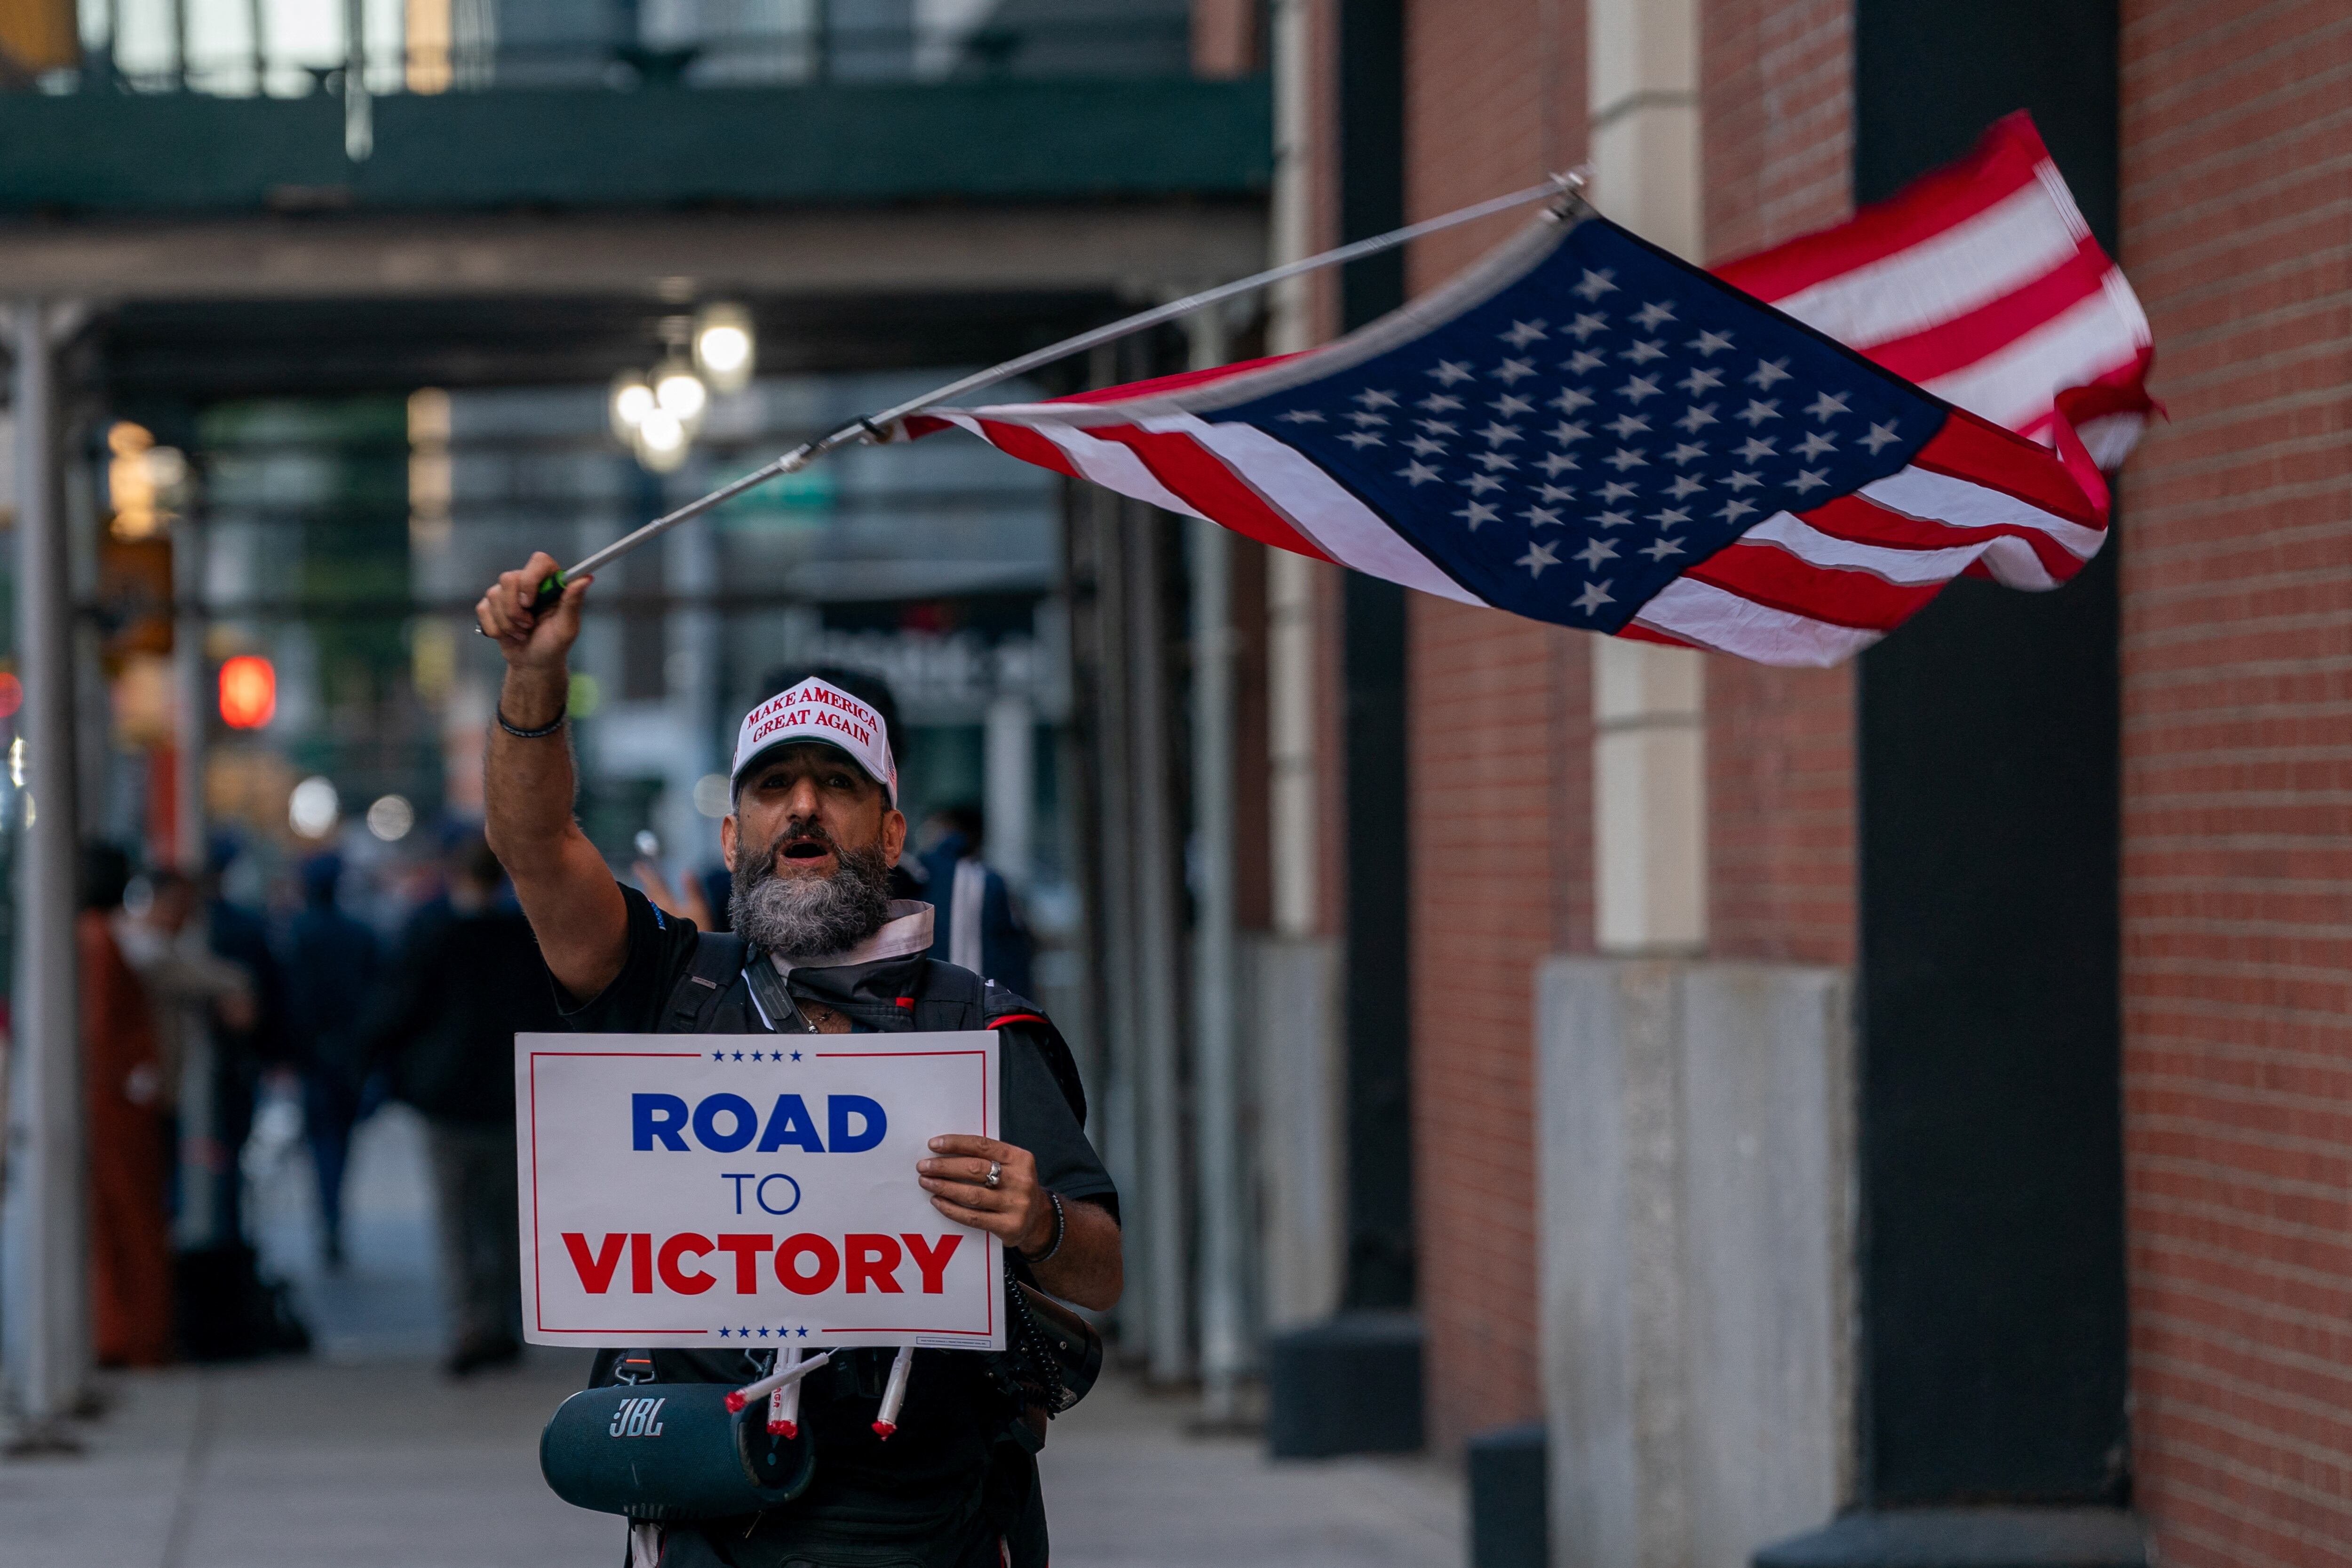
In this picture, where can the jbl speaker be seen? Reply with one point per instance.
(670, 1450)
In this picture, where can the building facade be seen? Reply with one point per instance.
(1920, 1084)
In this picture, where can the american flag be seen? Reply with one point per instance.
(1586, 430)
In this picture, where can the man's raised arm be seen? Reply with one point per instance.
(574, 905)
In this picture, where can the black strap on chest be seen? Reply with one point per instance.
(713, 997)
(706, 1000)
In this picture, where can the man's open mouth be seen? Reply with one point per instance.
(806, 849)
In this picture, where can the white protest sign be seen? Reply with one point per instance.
(706, 1191)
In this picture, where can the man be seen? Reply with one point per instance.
(813, 834)
(328, 982)
(446, 1025)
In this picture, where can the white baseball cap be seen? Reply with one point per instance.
(819, 710)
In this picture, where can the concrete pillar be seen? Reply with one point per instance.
(1649, 759)
(1649, 798)
(1224, 1349)
(1158, 960)
(1697, 1214)
(1009, 773)
(1294, 1044)
(1120, 1116)
(46, 1251)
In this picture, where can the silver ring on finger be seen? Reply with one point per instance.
(996, 1172)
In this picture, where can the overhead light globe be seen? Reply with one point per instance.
(314, 808)
(725, 346)
(391, 817)
(661, 441)
(680, 393)
(631, 401)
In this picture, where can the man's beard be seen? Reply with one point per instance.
(809, 917)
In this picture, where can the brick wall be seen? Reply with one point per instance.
(2237, 576)
(1499, 770)
(1777, 150)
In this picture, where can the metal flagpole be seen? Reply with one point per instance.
(873, 426)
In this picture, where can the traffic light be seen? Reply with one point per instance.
(248, 691)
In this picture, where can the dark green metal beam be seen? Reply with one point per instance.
(1051, 140)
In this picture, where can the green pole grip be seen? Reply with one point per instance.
(549, 593)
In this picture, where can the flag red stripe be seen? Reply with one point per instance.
(1856, 519)
(1634, 631)
(2120, 391)
(1983, 453)
(2002, 164)
(1767, 574)
(1018, 441)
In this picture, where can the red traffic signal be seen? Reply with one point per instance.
(249, 692)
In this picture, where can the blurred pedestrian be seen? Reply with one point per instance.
(330, 975)
(197, 998)
(245, 1048)
(979, 924)
(461, 991)
(129, 1230)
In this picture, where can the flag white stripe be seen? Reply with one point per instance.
(2015, 386)
(1917, 492)
(2010, 560)
(1714, 617)
(1998, 251)
(1341, 526)
(1106, 463)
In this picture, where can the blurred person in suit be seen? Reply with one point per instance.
(330, 975)
(243, 1046)
(979, 924)
(466, 982)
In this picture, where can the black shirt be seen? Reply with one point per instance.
(942, 1449)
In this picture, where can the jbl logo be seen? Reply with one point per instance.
(638, 1418)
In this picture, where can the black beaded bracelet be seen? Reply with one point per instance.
(1061, 1229)
(553, 725)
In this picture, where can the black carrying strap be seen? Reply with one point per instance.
(695, 1001)
(946, 999)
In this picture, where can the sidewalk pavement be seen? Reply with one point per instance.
(364, 1456)
(307, 1464)
(1129, 1485)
